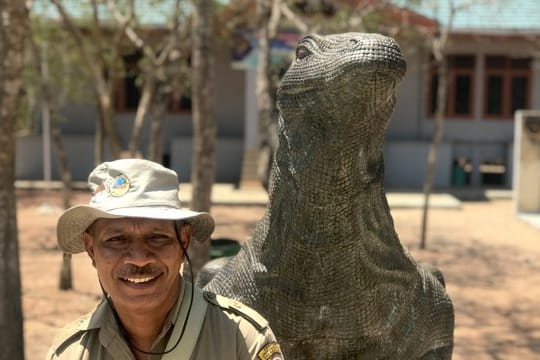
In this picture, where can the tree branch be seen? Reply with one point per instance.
(125, 24)
(77, 36)
(275, 16)
(96, 30)
(289, 14)
(172, 39)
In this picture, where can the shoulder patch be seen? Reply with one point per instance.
(73, 330)
(66, 335)
(237, 308)
(271, 351)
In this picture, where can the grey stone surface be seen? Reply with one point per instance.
(325, 265)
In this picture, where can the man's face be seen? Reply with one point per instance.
(137, 260)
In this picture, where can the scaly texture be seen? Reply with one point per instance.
(325, 265)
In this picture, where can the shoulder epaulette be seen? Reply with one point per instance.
(70, 331)
(237, 308)
(73, 329)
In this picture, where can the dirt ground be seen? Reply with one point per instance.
(490, 259)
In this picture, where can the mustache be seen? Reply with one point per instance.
(149, 270)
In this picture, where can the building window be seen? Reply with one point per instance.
(128, 90)
(460, 87)
(181, 89)
(181, 102)
(507, 85)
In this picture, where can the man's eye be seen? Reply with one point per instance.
(114, 239)
(159, 238)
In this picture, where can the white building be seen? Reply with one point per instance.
(494, 69)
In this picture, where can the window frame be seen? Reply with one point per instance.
(174, 107)
(453, 72)
(507, 73)
(129, 63)
(121, 96)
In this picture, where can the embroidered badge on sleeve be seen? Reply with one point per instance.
(271, 351)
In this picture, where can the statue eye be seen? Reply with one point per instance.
(302, 52)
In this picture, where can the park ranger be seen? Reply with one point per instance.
(136, 234)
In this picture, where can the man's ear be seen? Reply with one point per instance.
(89, 246)
(185, 235)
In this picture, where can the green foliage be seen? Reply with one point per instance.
(67, 77)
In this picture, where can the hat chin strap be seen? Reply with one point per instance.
(119, 322)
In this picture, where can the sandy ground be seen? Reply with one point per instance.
(490, 259)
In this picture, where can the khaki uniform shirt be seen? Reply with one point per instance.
(230, 331)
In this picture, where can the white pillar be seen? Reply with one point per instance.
(526, 183)
(251, 125)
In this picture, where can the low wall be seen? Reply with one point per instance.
(405, 161)
(229, 155)
(405, 164)
(29, 157)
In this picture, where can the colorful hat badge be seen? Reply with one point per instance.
(116, 187)
(119, 186)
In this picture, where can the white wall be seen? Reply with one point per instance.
(79, 123)
(229, 153)
(405, 165)
(408, 134)
(408, 115)
(478, 139)
(29, 157)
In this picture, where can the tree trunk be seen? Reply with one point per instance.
(63, 165)
(441, 61)
(109, 123)
(50, 108)
(66, 282)
(204, 123)
(435, 144)
(98, 138)
(147, 95)
(157, 61)
(102, 65)
(13, 32)
(268, 15)
(155, 146)
(46, 98)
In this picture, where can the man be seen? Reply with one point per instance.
(136, 233)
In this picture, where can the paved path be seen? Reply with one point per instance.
(229, 194)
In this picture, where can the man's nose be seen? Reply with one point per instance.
(139, 253)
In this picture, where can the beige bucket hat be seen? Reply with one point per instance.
(129, 188)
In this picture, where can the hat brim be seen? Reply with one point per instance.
(74, 222)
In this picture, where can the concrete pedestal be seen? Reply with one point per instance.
(527, 162)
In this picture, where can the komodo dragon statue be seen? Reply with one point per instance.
(325, 265)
